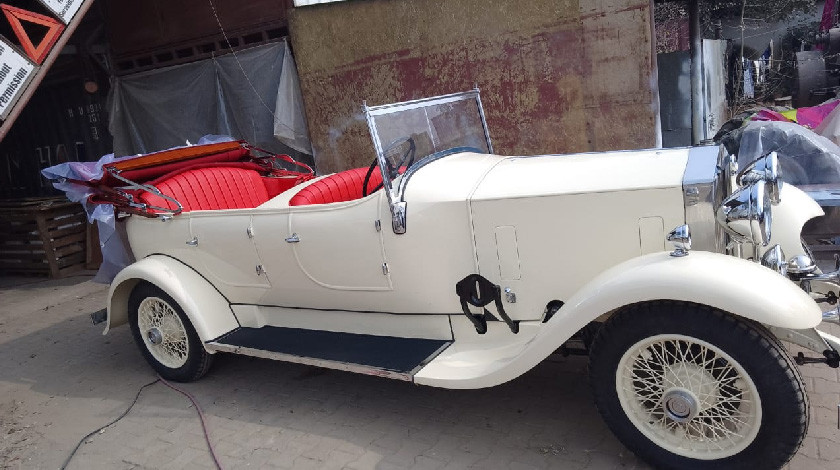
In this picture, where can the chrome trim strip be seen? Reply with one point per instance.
(395, 198)
(831, 316)
(380, 152)
(429, 359)
(483, 120)
(355, 368)
(414, 104)
(699, 194)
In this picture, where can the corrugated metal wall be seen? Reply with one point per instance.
(556, 75)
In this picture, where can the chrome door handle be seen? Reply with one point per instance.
(293, 239)
(193, 242)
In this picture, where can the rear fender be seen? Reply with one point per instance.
(208, 310)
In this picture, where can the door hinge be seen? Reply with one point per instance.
(378, 225)
(385, 269)
(250, 232)
(260, 270)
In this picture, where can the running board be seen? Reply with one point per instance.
(383, 356)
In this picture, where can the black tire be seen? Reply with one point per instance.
(778, 426)
(186, 366)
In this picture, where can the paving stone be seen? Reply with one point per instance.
(829, 450)
(826, 386)
(819, 371)
(822, 431)
(366, 461)
(801, 462)
(809, 448)
(825, 416)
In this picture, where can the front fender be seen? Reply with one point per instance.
(789, 216)
(737, 286)
(731, 284)
(208, 310)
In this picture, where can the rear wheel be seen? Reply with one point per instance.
(165, 336)
(686, 386)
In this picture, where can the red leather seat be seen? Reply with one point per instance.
(211, 188)
(338, 187)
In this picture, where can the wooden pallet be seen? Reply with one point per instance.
(46, 236)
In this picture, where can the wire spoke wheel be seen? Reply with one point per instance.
(163, 332)
(688, 396)
(690, 387)
(165, 335)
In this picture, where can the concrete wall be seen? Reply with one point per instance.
(556, 76)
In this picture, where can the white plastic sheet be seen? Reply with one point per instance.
(290, 123)
(805, 157)
(254, 96)
(116, 253)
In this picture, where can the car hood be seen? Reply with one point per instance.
(545, 175)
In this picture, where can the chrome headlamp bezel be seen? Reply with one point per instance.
(746, 215)
(801, 266)
(765, 169)
(774, 258)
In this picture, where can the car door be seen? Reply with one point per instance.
(226, 255)
(323, 252)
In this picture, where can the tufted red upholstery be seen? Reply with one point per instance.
(338, 187)
(211, 188)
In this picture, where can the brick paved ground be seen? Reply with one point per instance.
(60, 378)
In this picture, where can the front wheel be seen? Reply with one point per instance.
(165, 336)
(690, 387)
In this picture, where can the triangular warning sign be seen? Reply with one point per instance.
(55, 28)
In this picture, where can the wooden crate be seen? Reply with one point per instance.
(43, 236)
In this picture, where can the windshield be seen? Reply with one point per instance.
(404, 134)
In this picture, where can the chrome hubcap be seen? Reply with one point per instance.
(679, 405)
(155, 336)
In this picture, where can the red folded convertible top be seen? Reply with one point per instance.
(126, 183)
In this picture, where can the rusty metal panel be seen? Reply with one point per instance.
(556, 76)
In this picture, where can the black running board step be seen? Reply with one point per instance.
(386, 356)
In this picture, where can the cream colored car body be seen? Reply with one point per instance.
(588, 230)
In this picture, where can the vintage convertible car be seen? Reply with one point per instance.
(446, 265)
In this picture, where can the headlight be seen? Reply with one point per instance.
(746, 214)
(764, 169)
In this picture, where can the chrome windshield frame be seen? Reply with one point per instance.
(396, 195)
